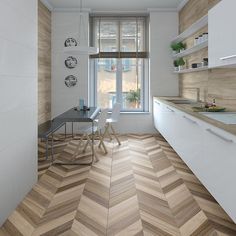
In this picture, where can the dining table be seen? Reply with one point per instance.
(75, 115)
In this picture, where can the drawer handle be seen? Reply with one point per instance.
(220, 136)
(157, 103)
(170, 109)
(190, 120)
(227, 58)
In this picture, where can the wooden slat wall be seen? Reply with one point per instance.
(44, 63)
(216, 83)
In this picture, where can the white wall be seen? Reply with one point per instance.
(163, 27)
(64, 25)
(18, 102)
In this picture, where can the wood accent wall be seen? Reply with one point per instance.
(44, 63)
(216, 83)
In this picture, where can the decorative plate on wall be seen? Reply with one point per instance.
(70, 81)
(70, 42)
(71, 62)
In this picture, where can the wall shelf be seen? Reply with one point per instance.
(192, 70)
(191, 50)
(192, 29)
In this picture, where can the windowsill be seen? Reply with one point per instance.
(135, 112)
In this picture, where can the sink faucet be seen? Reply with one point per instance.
(198, 92)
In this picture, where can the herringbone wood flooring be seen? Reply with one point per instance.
(139, 188)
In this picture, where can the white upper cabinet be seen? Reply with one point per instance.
(222, 34)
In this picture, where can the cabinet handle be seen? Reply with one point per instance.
(158, 103)
(227, 58)
(190, 120)
(220, 136)
(170, 109)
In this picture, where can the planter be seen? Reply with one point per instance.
(176, 68)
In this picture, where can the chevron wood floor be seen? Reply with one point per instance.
(139, 188)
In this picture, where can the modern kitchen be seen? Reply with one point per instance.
(119, 117)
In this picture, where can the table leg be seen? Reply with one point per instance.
(52, 149)
(65, 130)
(92, 141)
(72, 126)
(46, 148)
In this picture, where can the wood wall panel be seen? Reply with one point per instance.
(216, 83)
(44, 63)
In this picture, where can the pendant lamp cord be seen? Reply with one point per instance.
(81, 23)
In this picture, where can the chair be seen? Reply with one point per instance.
(90, 133)
(114, 119)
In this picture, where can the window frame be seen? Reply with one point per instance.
(143, 55)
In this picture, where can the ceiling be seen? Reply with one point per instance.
(114, 5)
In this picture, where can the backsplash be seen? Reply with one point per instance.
(44, 63)
(216, 83)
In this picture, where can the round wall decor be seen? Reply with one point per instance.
(70, 81)
(70, 42)
(71, 62)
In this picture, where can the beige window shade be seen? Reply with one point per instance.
(119, 37)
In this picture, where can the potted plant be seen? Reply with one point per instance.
(176, 66)
(181, 63)
(133, 97)
(181, 46)
(178, 47)
(174, 47)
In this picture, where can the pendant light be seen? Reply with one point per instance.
(81, 50)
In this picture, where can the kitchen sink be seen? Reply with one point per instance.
(182, 101)
(224, 117)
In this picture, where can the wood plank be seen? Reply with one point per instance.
(139, 188)
(44, 63)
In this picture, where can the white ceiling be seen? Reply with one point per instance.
(114, 5)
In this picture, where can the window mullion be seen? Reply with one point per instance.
(119, 81)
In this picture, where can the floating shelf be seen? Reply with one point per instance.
(192, 29)
(191, 50)
(192, 70)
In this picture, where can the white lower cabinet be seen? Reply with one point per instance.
(208, 151)
(219, 167)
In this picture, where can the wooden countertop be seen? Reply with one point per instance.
(187, 108)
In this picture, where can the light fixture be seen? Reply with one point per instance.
(78, 49)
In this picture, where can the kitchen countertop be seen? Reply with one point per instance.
(187, 108)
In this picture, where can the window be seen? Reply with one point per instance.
(119, 73)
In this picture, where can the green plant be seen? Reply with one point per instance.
(180, 62)
(175, 63)
(178, 46)
(174, 46)
(134, 97)
(181, 45)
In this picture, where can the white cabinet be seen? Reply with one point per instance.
(218, 167)
(157, 115)
(208, 151)
(222, 34)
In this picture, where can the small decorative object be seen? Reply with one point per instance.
(196, 41)
(70, 81)
(81, 103)
(71, 62)
(200, 39)
(70, 42)
(205, 62)
(205, 37)
(181, 63)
